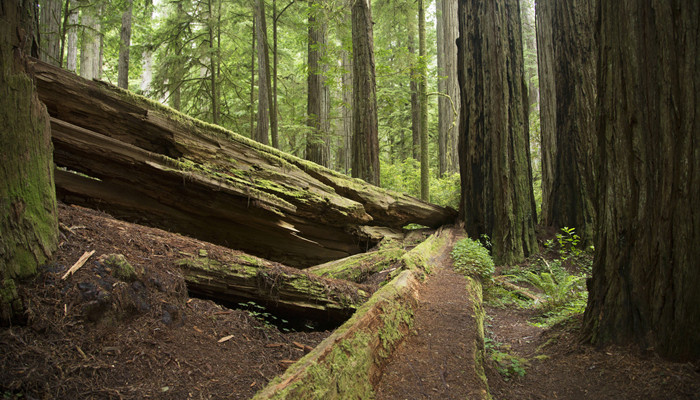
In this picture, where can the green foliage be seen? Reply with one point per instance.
(404, 177)
(557, 292)
(508, 365)
(471, 258)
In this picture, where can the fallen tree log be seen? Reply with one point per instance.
(148, 125)
(357, 268)
(144, 187)
(297, 294)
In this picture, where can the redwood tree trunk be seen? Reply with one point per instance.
(124, 47)
(264, 88)
(571, 61)
(645, 274)
(28, 217)
(447, 84)
(365, 144)
(415, 98)
(317, 110)
(497, 196)
(50, 31)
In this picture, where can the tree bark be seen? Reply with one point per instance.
(262, 131)
(570, 196)
(344, 158)
(90, 51)
(317, 111)
(72, 39)
(448, 85)
(645, 281)
(497, 197)
(544, 14)
(413, 84)
(50, 31)
(28, 216)
(124, 47)
(286, 290)
(365, 143)
(423, 94)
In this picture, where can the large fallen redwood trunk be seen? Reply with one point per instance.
(281, 207)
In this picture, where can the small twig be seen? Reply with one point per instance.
(81, 261)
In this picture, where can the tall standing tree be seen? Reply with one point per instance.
(567, 73)
(125, 46)
(318, 94)
(50, 31)
(262, 130)
(423, 95)
(497, 197)
(72, 35)
(365, 143)
(644, 286)
(28, 216)
(91, 48)
(448, 85)
(413, 83)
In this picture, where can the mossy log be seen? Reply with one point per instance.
(148, 125)
(242, 278)
(358, 267)
(348, 364)
(137, 185)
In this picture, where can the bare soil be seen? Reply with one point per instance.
(95, 336)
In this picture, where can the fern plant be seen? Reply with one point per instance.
(471, 258)
(557, 292)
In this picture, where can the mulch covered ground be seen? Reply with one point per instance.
(94, 335)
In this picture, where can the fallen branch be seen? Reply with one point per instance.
(81, 261)
(501, 281)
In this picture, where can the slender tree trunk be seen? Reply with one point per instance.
(28, 216)
(423, 93)
(645, 281)
(147, 53)
(275, 56)
(346, 113)
(527, 9)
(548, 103)
(570, 188)
(262, 132)
(365, 143)
(72, 39)
(213, 62)
(447, 84)
(50, 31)
(124, 47)
(252, 79)
(497, 196)
(317, 139)
(415, 98)
(90, 52)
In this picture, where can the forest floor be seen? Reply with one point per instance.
(93, 336)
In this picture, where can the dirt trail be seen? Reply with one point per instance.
(437, 360)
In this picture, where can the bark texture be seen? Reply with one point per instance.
(569, 130)
(448, 106)
(544, 13)
(181, 174)
(365, 143)
(28, 217)
(318, 99)
(645, 274)
(262, 131)
(497, 197)
(50, 31)
(91, 44)
(124, 47)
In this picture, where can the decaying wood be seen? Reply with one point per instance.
(359, 266)
(281, 289)
(501, 281)
(81, 261)
(349, 362)
(317, 214)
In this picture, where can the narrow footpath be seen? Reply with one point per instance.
(437, 361)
